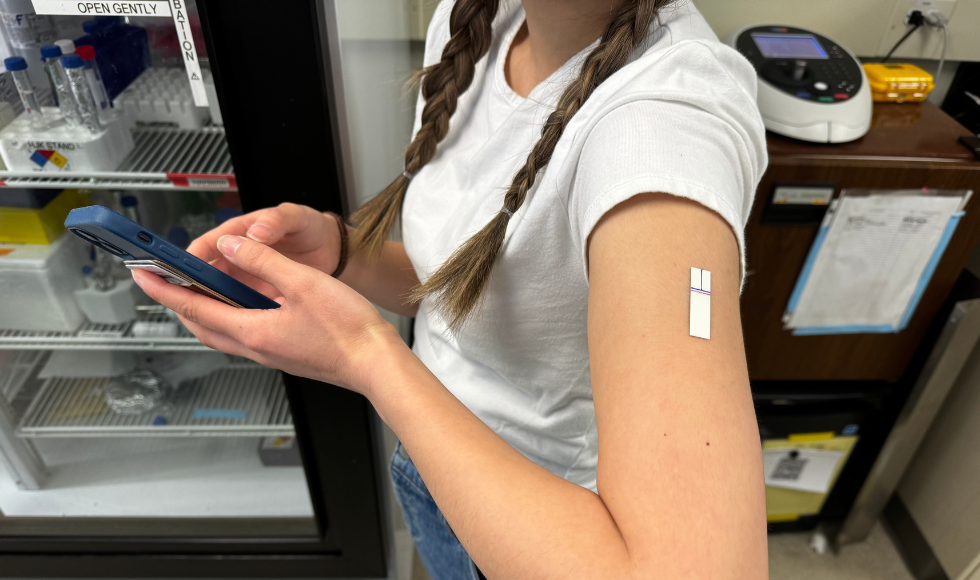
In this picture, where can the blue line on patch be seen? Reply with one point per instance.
(235, 414)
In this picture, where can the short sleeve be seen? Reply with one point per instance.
(689, 148)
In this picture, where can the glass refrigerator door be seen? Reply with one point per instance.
(119, 430)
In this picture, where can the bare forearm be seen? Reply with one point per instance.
(516, 519)
(385, 281)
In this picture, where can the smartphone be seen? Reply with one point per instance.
(144, 250)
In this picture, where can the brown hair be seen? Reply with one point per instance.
(458, 285)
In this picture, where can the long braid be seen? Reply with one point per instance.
(458, 285)
(470, 27)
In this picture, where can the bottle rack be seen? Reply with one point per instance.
(163, 158)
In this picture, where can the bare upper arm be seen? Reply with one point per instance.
(680, 464)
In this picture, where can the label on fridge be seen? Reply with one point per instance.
(66, 8)
(202, 181)
(189, 52)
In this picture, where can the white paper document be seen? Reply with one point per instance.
(800, 469)
(871, 261)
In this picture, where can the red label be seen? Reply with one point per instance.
(203, 180)
(3, 183)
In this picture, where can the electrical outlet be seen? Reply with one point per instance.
(945, 7)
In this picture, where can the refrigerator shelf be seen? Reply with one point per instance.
(241, 400)
(164, 158)
(92, 336)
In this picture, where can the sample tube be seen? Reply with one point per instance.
(66, 46)
(18, 70)
(87, 109)
(130, 208)
(51, 56)
(94, 78)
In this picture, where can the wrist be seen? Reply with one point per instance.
(336, 228)
(387, 368)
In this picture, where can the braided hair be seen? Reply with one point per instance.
(458, 285)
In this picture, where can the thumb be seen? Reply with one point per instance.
(263, 262)
(274, 223)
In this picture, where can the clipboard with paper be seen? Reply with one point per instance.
(872, 260)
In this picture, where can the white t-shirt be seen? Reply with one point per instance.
(680, 118)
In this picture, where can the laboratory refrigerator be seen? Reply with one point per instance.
(127, 448)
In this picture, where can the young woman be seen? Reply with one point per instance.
(572, 161)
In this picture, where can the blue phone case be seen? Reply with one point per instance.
(130, 241)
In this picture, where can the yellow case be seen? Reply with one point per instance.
(39, 226)
(898, 82)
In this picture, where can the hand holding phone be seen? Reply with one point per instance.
(298, 232)
(141, 249)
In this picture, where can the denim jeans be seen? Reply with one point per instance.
(442, 554)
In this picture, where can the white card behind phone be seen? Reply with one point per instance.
(175, 277)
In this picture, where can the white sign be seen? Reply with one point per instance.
(69, 8)
(801, 469)
(189, 52)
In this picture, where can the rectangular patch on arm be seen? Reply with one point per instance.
(700, 303)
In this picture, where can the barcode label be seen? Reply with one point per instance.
(788, 468)
(207, 182)
(203, 180)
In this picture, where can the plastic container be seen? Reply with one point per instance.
(130, 208)
(122, 51)
(64, 148)
(114, 304)
(163, 95)
(33, 225)
(94, 77)
(898, 82)
(26, 32)
(37, 284)
(17, 67)
(84, 101)
(66, 46)
(51, 56)
(10, 105)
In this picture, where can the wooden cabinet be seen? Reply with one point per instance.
(910, 146)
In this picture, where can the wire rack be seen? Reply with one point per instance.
(163, 158)
(241, 400)
(196, 151)
(91, 336)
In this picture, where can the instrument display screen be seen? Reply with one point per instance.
(789, 46)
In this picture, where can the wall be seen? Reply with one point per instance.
(866, 27)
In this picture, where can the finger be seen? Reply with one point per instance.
(244, 277)
(273, 224)
(265, 263)
(204, 246)
(216, 340)
(195, 307)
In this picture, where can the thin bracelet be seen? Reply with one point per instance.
(342, 226)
